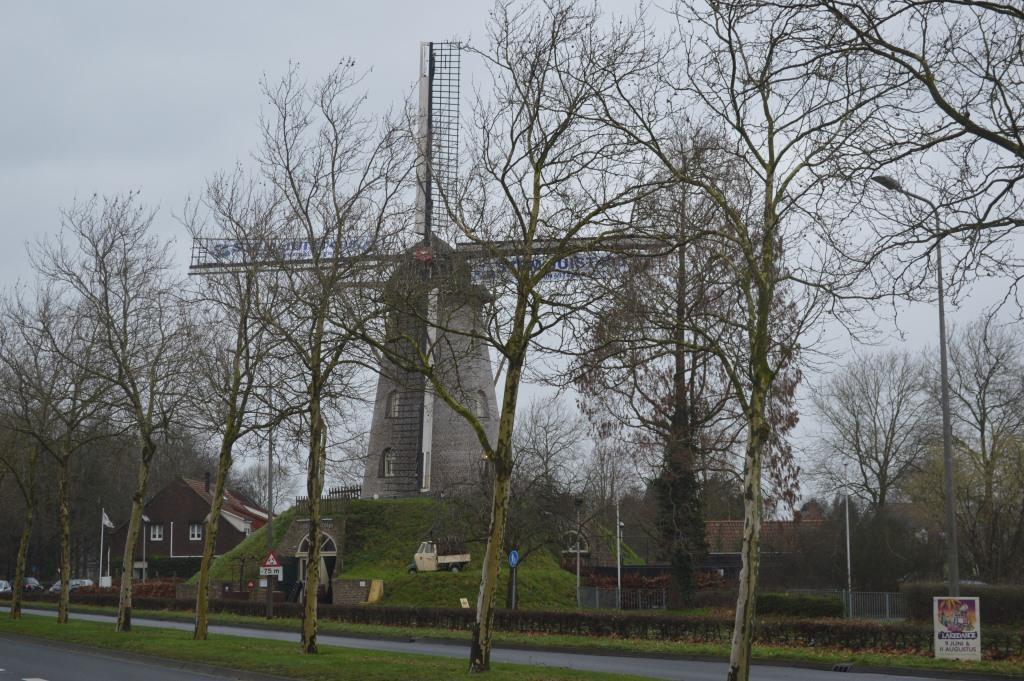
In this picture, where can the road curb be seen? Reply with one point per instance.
(214, 671)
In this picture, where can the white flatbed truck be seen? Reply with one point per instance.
(429, 559)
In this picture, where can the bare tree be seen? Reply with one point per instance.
(19, 461)
(878, 422)
(959, 127)
(546, 183)
(336, 182)
(987, 391)
(770, 113)
(122, 277)
(233, 362)
(57, 399)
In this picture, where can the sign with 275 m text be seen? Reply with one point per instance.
(957, 624)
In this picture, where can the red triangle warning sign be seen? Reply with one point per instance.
(271, 560)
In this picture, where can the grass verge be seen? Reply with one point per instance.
(825, 657)
(276, 657)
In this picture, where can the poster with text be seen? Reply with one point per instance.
(957, 628)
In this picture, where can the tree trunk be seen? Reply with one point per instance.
(124, 608)
(64, 514)
(210, 539)
(26, 534)
(314, 489)
(480, 651)
(743, 629)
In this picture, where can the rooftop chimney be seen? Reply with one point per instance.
(206, 480)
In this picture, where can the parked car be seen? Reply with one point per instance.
(5, 586)
(31, 584)
(72, 585)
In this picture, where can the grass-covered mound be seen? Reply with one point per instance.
(381, 536)
(253, 548)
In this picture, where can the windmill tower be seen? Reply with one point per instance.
(418, 444)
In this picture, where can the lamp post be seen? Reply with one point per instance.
(579, 528)
(947, 429)
(618, 558)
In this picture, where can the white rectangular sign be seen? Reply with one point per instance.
(272, 571)
(957, 623)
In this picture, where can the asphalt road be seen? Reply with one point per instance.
(652, 667)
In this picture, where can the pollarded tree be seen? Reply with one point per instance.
(771, 113)
(122, 278)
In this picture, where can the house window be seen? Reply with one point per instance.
(248, 527)
(391, 411)
(388, 463)
(156, 533)
(195, 531)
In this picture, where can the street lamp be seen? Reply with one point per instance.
(952, 558)
(579, 528)
(618, 558)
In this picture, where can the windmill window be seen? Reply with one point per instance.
(478, 405)
(388, 463)
(391, 410)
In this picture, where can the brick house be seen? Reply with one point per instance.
(171, 541)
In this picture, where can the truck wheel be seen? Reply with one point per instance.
(455, 568)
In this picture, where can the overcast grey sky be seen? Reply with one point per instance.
(111, 96)
(114, 96)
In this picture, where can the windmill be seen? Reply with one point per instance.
(417, 443)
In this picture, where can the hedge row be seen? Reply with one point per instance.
(785, 604)
(903, 637)
(1000, 604)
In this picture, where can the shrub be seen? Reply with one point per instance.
(799, 605)
(891, 637)
(1000, 604)
(787, 604)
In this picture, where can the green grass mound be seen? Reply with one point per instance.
(541, 585)
(382, 535)
(253, 549)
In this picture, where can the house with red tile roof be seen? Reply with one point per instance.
(174, 526)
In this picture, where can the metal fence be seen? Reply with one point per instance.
(867, 605)
(595, 598)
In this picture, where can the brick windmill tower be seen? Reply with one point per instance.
(418, 444)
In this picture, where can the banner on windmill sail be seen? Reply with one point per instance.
(592, 264)
(237, 252)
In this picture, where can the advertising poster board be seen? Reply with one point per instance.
(957, 623)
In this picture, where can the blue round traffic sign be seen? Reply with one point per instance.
(513, 558)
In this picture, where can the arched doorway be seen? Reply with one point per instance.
(328, 560)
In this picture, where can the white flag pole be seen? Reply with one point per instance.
(103, 528)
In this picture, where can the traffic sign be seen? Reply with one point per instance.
(271, 561)
(513, 558)
(272, 567)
